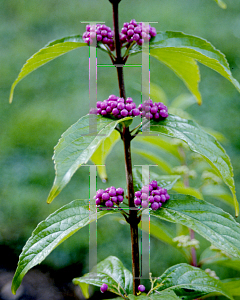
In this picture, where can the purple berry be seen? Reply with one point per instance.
(115, 111)
(164, 113)
(157, 198)
(104, 288)
(141, 288)
(151, 199)
(120, 191)
(105, 196)
(135, 112)
(98, 201)
(136, 37)
(112, 192)
(124, 112)
(154, 206)
(144, 204)
(109, 203)
(99, 193)
(154, 109)
(138, 194)
(163, 198)
(120, 105)
(120, 198)
(167, 197)
(130, 32)
(137, 201)
(144, 196)
(114, 199)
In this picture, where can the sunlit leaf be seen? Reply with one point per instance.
(112, 272)
(46, 54)
(209, 221)
(51, 232)
(201, 142)
(189, 282)
(221, 4)
(76, 146)
(101, 153)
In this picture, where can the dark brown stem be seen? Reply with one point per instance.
(133, 218)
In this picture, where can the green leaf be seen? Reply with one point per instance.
(163, 233)
(47, 53)
(84, 288)
(112, 272)
(209, 221)
(150, 156)
(159, 142)
(233, 286)
(180, 51)
(164, 295)
(52, 232)
(201, 142)
(189, 282)
(101, 153)
(221, 4)
(219, 192)
(216, 256)
(181, 189)
(165, 181)
(76, 146)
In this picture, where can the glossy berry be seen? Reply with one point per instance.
(104, 288)
(109, 197)
(133, 32)
(156, 111)
(141, 288)
(116, 107)
(102, 33)
(151, 195)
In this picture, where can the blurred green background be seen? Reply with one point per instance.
(55, 96)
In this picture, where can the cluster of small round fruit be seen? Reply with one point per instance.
(109, 196)
(139, 33)
(131, 32)
(102, 33)
(153, 110)
(115, 106)
(151, 195)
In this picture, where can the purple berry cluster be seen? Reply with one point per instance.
(156, 111)
(109, 196)
(115, 107)
(102, 33)
(152, 195)
(136, 32)
(103, 287)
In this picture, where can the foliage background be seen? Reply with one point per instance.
(49, 100)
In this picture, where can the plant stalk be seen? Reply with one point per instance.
(133, 219)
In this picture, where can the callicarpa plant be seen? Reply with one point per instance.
(174, 197)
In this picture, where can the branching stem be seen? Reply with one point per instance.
(133, 218)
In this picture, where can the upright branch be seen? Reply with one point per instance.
(133, 219)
